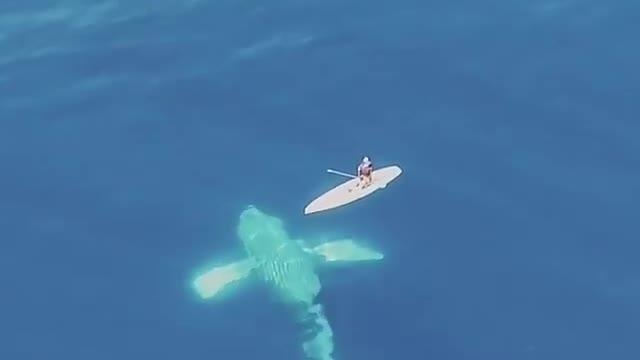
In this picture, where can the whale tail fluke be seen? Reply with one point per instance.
(318, 343)
(213, 281)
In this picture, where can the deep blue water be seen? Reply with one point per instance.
(132, 134)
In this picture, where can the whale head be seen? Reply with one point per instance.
(261, 234)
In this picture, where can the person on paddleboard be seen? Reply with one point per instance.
(365, 169)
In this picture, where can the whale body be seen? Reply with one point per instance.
(289, 268)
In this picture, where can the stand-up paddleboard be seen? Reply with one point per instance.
(349, 191)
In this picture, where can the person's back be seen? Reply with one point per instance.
(365, 169)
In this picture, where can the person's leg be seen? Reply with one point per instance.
(369, 176)
(360, 181)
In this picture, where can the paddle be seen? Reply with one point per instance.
(336, 172)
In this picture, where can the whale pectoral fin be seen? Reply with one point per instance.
(214, 280)
(346, 250)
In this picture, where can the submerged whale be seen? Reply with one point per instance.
(289, 267)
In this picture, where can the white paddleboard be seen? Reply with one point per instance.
(347, 192)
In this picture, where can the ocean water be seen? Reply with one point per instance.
(132, 134)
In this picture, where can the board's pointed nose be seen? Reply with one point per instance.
(308, 211)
